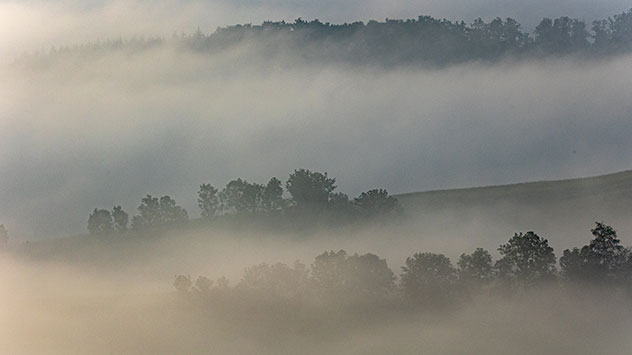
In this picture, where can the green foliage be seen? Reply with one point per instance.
(526, 258)
(428, 277)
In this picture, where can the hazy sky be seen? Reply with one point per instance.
(84, 134)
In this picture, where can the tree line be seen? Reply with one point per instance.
(425, 40)
(308, 195)
(526, 261)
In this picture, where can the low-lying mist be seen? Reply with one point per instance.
(81, 133)
(61, 308)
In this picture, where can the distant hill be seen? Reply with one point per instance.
(425, 41)
(601, 191)
(565, 210)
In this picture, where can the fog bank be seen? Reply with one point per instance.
(83, 133)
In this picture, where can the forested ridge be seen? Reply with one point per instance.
(425, 41)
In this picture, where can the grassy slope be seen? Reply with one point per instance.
(565, 210)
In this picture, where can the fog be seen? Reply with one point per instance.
(88, 129)
(80, 133)
(78, 307)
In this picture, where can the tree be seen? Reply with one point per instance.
(121, 218)
(369, 275)
(337, 273)
(428, 277)
(239, 196)
(4, 237)
(375, 202)
(208, 200)
(171, 212)
(604, 259)
(156, 212)
(476, 269)
(183, 284)
(310, 191)
(526, 258)
(561, 36)
(150, 213)
(100, 222)
(203, 285)
(272, 196)
(340, 207)
(614, 34)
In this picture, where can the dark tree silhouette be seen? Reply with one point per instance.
(150, 213)
(171, 212)
(375, 202)
(424, 41)
(121, 218)
(476, 269)
(340, 206)
(604, 259)
(561, 36)
(310, 191)
(241, 197)
(208, 200)
(428, 277)
(614, 34)
(526, 258)
(156, 212)
(272, 196)
(100, 222)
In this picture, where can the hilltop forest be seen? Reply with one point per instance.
(424, 41)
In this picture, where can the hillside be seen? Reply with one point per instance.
(447, 221)
(563, 210)
(602, 191)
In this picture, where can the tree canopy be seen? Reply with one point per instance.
(526, 258)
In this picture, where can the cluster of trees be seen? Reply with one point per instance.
(310, 194)
(153, 212)
(526, 261)
(425, 40)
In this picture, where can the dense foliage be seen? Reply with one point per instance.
(310, 197)
(429, 279)
(422, 41)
